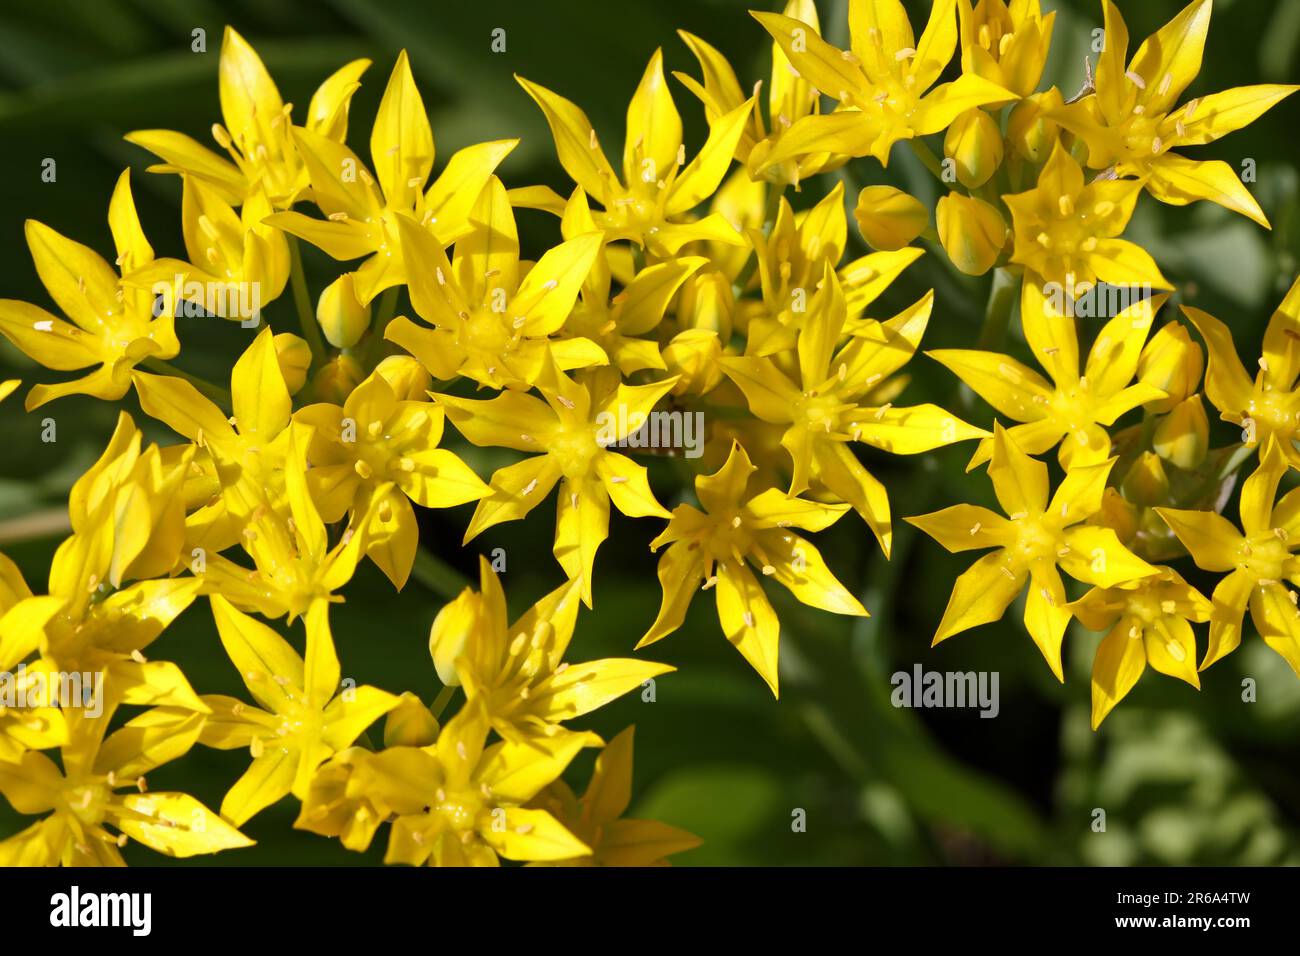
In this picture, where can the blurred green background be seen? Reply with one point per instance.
(1183, 777)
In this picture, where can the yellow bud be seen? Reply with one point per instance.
(1031, 134)
(972, 232)
(706, 302)
(294, 355)
(694, 356)
(1146, 483)
(889, 218)
(974, 144)
(1118, 515)
(408, 379)
(410, 724)
(337, 378)
(341, 315)
(455, 624)
(1173, 362)
(1183, 436)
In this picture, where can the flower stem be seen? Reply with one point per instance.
(383, 315)
(927, 158)
(441, 701)
(213, 392)
(437, 575)
(302, 300)
(770, 211)
(997, 314)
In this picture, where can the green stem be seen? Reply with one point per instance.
(302, 300)
(441, 701)
(214, 392)
(383, 315)
(927, 158)
(997, 315)
(437, 575)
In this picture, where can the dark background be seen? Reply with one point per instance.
(1183, 777)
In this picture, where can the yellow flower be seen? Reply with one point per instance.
(294, 565)
(1173, 363)
(597, 817)
(1147, 622)
(237, 263)
(375, 442)
(303, 719)
(342, 318)
(1132, 123)
(974, 144)
(568, 437)
(491, 322)
(823, 413)
(22, 620)
(362, 215)
(1006, 45)
(790, 98)
(619, 326)
(1071, 410)
(251, 444)
(114, 324)
(82, 798)
(972, 232)
(257, 133)
(710, 548)
(1258, 559)
(1183, 436)
(1268, 407)
(889, 218)
(881, 83)
(1067, 231)
(518, 669)
(650, 203)
(459, 804)
(1035, 538)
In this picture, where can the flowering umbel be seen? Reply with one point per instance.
(709, 351)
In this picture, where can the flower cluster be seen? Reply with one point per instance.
(683, 289)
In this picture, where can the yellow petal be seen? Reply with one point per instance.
(910, 431)
(1226, 383)
(453, 193)
(1178, 181)
(177, 825)
(980, 595)
(1020, 482)
(261, 400)
(270, 669)
(966, 527)
(1096, 556)
(1217, 114)
(401, 141)
(749, 621)
(1119, 663)
(575, 142)
(1170, 58)
(1210, 538)
(702, 176)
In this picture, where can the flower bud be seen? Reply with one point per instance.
(974, 144)
(1173, 362)
(410, 724)
(972, 232)
(706, 302)
(294, 356)
(341, 315)
(1183, 436)
(1118, 515)
(889, 218)
(408, 379)
(695, 355)
(1146, 483)
(337, 378)
(1029, 132)
(452, 628)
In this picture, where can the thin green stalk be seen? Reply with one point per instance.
(442, 700)
(214, 392)
(927, 158)
(383, 315)
(302, 300)
(997, 314)
(437, 575)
